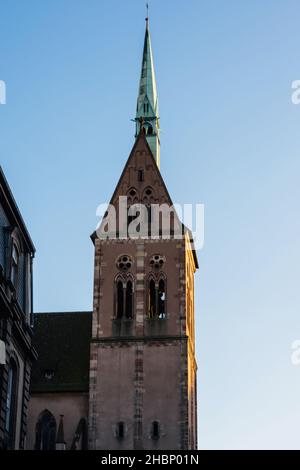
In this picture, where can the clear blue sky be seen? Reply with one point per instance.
(230, 140)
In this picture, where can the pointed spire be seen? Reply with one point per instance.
(147, 102)
(147, 81)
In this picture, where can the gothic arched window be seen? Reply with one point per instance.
(11, 404)
(155, 430)
(148, 196)
(120, 299)
(156, 298)
(161, 299)
(129, 296)
(45, 436)
(120, 430)
(152, 299)
(14, 265)
(80, 436)
(124, 292)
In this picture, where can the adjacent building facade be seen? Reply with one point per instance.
(59, 400)
(16, 350)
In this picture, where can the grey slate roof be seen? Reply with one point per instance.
(62, 341)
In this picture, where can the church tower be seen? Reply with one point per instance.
(142, 358)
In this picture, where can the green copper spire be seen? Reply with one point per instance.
(147, 103)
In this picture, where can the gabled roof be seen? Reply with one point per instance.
(62, 341)
(142, 144)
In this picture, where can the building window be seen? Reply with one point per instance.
(124, 298)
(120, 430)
(157, 261)
(11, 404)
(124, 263)
(49, 374)
(155, 430)
(146, 108)
(148, 196)
(141, 175)
(161, 299)
(157, 299)
(150, 130)
(120, 299)
(132, 192)
(152, 299)
(148, 191)
(14, 265)
(80, 438)
(129, 296)
(45, 432)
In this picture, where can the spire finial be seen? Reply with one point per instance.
(147, 102)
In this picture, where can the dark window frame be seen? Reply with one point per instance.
(155, 430)
(15, 265)
(140, 175)
(45, 431)
(120, 430)
(11, 404)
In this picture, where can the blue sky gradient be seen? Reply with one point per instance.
(230, 140)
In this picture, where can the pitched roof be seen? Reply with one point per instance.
(151, 174)
(141, 145)
(62, 341)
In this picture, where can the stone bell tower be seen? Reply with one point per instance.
(142, 364)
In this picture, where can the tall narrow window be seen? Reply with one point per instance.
(45, 432)
(120, 431)
(157, 297)
(141, 175)
(149, 211)
(11, 404)
(120, 299)
(152, 299)
(129, 297)
(161, 299)
(80, 436)
(14, 265)
(155, 430)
